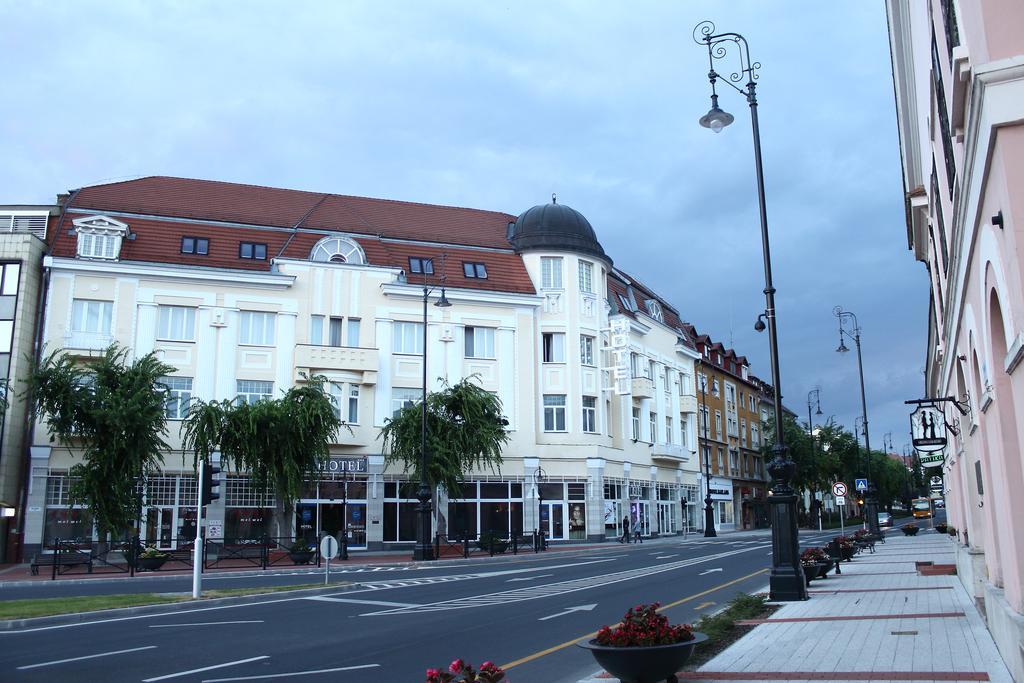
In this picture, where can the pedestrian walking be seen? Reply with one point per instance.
(625, 530)
(637, 538)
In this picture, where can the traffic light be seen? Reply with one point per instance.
(860, 501)
(208, 490)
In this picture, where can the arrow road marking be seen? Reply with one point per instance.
(529, 578)
(579, 608)
(711, 571)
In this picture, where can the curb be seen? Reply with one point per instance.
(18, 625)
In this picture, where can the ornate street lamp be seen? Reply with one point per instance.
(539, 476)
(424, 549)
(709, 511)
(787, 577)
(871, 502)
(816, 400)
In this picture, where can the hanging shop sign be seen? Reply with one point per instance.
(932, 459)
(353, 465)
(928, 428)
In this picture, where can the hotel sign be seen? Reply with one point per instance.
(928, 428)
(621, 370)
(341, 465)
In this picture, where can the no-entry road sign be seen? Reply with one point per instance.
(839, 489)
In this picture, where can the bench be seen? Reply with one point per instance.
(67, 559)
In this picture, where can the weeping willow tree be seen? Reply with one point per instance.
(279, 442)
(465, 431)
(113, 410)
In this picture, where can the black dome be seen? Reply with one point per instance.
(554, 227)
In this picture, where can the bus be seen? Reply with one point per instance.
(922, 508)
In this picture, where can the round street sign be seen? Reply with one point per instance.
(329, 547)
(839, 489)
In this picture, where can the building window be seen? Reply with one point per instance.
(718, 424)
(752, 408)
(176, 323)
(654, 309)
(345, 401)
(755, 439)
(97, 246)
(668, 430)
(252, 391)
(554, 412)
(353, 332)
(743, 431)
(316, 329)
(684, 428)
(402, 398)
(256, 328)
(554, 347)
(408, 338)
(715, 388)
(179, 395)
(90, 323)
(337, 250)
(586, 350)
(734, 461)
(334, 326)
(587, 277)
(474, 270)
(479, 342)
(421, 266)
(589, 414)
(653, 419)
(721, 460)
(625, 303)
(195, 245)
(252, 250)
(550, 272)
(636, 423)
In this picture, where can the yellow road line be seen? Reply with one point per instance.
(570, 643)
(704, 604)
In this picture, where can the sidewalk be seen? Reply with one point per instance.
(880, 621)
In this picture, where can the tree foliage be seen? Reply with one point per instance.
(113, 410)
(465, 431)
(280, 442)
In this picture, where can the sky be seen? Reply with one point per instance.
(497, 105)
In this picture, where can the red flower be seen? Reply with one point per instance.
(457, 666)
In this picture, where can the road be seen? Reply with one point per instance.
(525, 612)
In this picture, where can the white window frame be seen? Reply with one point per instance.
(176, 323)
(407, 338)
(590, 414)
(586, 277)
(253, 390)
(256, 328)
(404, 397)
(99, 237)
(635, 420)
(82, 316)
(587, 350)
(553, 352)
(179, 395)
(346, 401)
(479, 342)
(554, 413)
(337, 250)
(352, 330)
(551, 272)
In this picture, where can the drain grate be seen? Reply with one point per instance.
(903, 633)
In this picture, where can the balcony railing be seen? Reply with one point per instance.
(87, 341)
(643, 387)
(688, 403)
(314, 357)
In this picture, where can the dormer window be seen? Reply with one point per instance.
(337, 250)
(654, 310)
(474, 270)
(421, 266)
(99, 237)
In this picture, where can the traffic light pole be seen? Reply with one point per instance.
(197, 547)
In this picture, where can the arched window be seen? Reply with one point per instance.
(337, 250)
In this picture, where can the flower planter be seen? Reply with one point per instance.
(150, 563)
(847, 553)
(643, 664)
(810, 572)
(909, 531)
(825, 568)
(301, 557)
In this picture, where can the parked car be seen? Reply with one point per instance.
(940, 504)
(884, 519)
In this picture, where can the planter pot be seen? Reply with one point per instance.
(847, 553)
(150, 563)
(810, 572)
(825, 568)
(910, 532)
(300, 557)
(649, 664)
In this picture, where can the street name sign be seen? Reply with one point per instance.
(862, 484)
(840, 500)
(839, 489)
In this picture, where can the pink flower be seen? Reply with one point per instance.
(433, 675)
(457, 666)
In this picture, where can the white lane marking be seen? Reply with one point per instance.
(78, 659)
(535, 592)
(528, 578)
(207, 623)
(711, 571)
(205, 668)
(324, 598)
(578, 608)
(665, 557)
(294, 673)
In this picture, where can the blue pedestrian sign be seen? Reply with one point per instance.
(862, 484)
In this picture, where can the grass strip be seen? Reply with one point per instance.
(722, 630)
(45, 607)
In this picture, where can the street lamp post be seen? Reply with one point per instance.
(344, 515)
(424, 549)
(709, 511)
(787, 578)
(538, 540)
(816, 393)
(871, 502)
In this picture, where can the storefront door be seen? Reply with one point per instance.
(666, 518)
(641, 510)
(552, 521)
